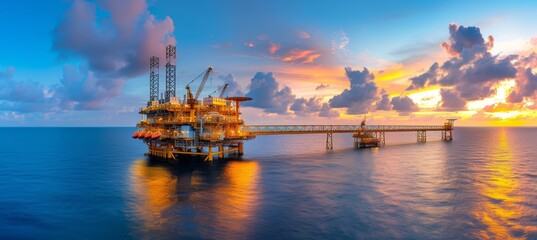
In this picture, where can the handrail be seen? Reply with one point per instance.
(309, 129)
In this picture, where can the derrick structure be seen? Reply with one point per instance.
(170, 74)
(153, 78)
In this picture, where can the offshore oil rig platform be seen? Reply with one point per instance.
(172, 127)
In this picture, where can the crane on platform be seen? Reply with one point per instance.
(202, 84)
(194, 99)
(222, 91)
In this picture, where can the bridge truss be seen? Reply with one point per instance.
(374, 131)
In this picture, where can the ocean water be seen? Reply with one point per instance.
(96, 183)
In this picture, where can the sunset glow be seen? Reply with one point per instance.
(474, 67)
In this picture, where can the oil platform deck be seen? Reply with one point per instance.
(172, 127)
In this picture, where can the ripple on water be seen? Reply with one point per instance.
(85, 182)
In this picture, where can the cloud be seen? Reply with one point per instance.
(21, 91)
(249, 44)
(526, 86)
(233, 88)
(302, 34)
(118, 44)
(384, 104)
(24, 96)
(81, 90)
(313, 107)
(273, 47)
(285, 51)
(429, 76)
(477, 81)
(300, 56)
(7, 74)
(471, 72)
(451, 101)
(340, 41)
(404, 105)
(11, 116)
(500, 107)
(114, 46)
(267, 95)
(361, 95)
(114, 40)
(302, 106)
(321, 87)
(327, 111)
(285, 45)
(466, 39)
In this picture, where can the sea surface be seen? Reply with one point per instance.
(96, 183)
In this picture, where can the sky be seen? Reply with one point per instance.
(86, 63)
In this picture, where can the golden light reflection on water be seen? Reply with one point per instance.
(155, 187)
(224, 198)
(236, 200)
(401, 179)
(501, 210)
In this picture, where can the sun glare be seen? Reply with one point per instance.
(505, 115)
(428, 99)
(503, 89)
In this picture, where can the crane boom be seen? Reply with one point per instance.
(188, 93)
(202, 84)
(223, 90)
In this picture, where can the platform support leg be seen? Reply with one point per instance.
(382, 138)
(329, 142)
(220, 151)
(447, 135)
(240, 147)
(422, 136)
(210, 153)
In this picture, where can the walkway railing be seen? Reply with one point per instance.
(310, 129)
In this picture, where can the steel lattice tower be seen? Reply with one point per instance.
(170, 72)
(153, 78)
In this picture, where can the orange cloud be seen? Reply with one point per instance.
(273, 47)
(389, 75)
(501, 107)
(302, 56)
(311, 58)
(296, 53)
(304, 78)
(394, 77)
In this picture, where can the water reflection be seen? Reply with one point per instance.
(154, 186)
(500, 211)
(194, 198)
(417, 189)
(232, 204)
